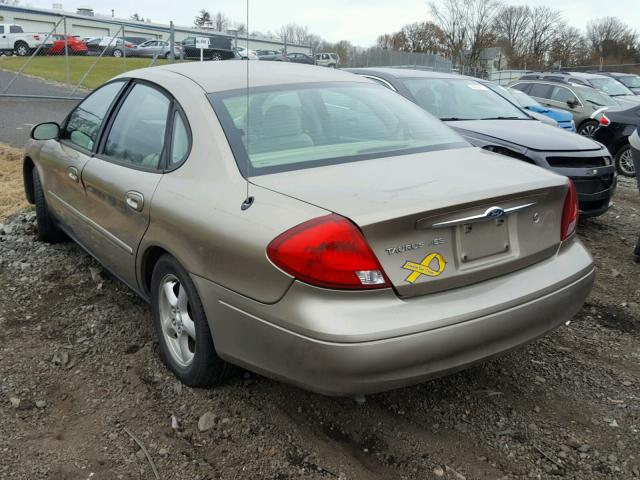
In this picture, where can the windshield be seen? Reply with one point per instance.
(597, 98)
(308, 125)
(610, 86)
(523, 99)
(461, 99)
(631, 81)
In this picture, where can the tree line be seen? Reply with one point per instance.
(529, 37)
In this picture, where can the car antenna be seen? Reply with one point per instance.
(248, 201)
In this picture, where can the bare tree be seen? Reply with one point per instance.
(220, 22)
(609, 37)
(384, 41)
(203, 19)
(511, 26)
(544, 27)
(569, 47)
(422, 37)
(467, 26)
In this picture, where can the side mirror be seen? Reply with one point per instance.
(572, 103)
(46, 131)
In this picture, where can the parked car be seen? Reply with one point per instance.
(489, 121)
(327, 59)
(272, 56)
(74, 45)
(154, 49)
(111, 46)
(586, 104)
(374, 250)
(506, 93)
(615, 128)
(603, 84)
(14, 39)
(563, 118)
(297, 57)
(220, 48)
(629, 80)
(245, 54)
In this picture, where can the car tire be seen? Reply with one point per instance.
(216, 57)
(178, 320)
(117, 53)
(48, 231)
(167, 55)
(624, 162)
(588, 128)
(21, 49)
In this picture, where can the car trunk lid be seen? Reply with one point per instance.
(443, 219)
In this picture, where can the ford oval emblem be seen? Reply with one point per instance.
(494, 212)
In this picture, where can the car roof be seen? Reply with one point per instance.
(232, 74)
(406, 73)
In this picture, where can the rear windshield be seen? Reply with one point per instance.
(610, 86)
(461, 99)
(307, 125)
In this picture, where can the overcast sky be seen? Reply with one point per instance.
(359, 21)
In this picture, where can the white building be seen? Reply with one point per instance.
(86, 23)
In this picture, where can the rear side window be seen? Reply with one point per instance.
(523, 87)
(85, 121)
(15, 29)
(137, 135)
(179, 141)
(540, 90)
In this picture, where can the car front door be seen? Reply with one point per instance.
(121, 179)
(564, 99)
(62, 161)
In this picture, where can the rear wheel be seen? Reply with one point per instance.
(21, 49)
(117, 53)
(624, 162)
(167, 55)
(48, 231)
(587, 129)
(216, 56)
(186, 344)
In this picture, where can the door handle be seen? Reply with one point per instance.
(73, 174)
(134, 200)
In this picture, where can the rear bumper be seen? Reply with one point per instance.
(324, 345)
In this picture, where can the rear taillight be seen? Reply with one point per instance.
(569, 213)
(604, 121)
(128, 45)
(36, 37)
(329, 252)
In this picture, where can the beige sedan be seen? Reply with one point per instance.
(315, 227)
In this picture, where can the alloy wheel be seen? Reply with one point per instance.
(178, 327)
(625, 163)
(22, 50)
(588, 130)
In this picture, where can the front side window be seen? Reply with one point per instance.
(83, 125)
(138, 131)
(564, 95)
(277, 129)
(461, 99)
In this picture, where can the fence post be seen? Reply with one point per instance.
(66, 50)
(172, 43)
(124, 48)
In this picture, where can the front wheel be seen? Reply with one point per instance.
(624, 162)
(186, 344)
(48, 231)
(216, 56)
(587, 129)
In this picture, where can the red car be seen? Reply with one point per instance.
(76, 46)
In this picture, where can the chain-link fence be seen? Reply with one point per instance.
(377, 57)
(60, 65)
(504, 77)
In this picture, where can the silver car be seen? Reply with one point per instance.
(153, 49)
(315, 227)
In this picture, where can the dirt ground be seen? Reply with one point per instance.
(79, 370)
(11, 191)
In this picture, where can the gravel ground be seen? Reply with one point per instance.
(79, 372)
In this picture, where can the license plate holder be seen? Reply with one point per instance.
(483, 239)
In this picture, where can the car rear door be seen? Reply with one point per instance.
(122, 178)
(61, 162)
(4, 41)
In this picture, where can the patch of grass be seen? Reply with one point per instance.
(55, 68)
(11, 190)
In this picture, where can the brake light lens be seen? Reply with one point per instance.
(329, 252)
(604, 120)
(36, 37)
(569, 213)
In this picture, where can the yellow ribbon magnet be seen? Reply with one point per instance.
(424, 267)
